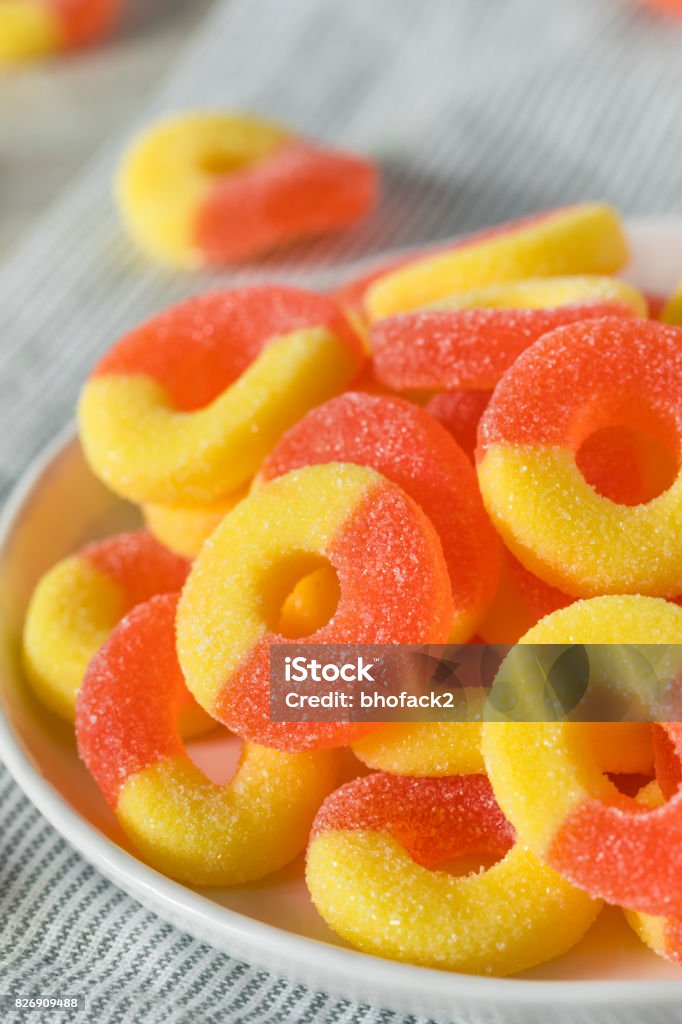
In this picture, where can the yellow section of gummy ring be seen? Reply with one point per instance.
(171, 169)
(541, 772)
(204, 455)
(221, 616)
(500, 921)
(585, 239)
(573, 537)
(205, 834)
(28, 29)
(546, 292)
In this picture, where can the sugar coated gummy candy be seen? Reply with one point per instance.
(213, 188)
(373, 864)
(215, 382)
(466, 348)
(393, 584)
(406, 445)
(184, 825)
(571, 383)
(80, 600)
(37, 28)
(549, 782)
(583, 239)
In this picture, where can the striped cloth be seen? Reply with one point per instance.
(477, 112)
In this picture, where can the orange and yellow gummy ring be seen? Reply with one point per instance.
(214, 382)
(570, 384)
(467, 348)
(406, 445)
(373, 874)
(212, 188)
(393, 584)
(78, 602)
(36, 28)
(184, 825)
(550, 784)
(583, 239)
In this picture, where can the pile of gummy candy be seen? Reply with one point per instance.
(480, 441)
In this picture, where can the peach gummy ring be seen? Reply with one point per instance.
(373, 874)
(583, 239)
(570, 384)
(214, 382)
(467, 348)
(393, 581)
(78, 602)
(213, 188)
(407, 446)
(36, 28)
(184, 825)
(549, 781)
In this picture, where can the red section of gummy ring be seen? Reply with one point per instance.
(624, 852)
(460, 412)
(128, 705)
(299, 190)
(197, 349)
(138, 564)
(85, 20)
(585, 376)
(435, 820)
(472, 348)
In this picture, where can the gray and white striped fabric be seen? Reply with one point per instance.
(478, 110)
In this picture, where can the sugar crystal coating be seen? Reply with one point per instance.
(393, 579)
(79, 601)
(404, 444)
(468, 348)
(185, 826)
(551, 786)
(215, 381)
(570, 384)
(215, 188)
(373, 872)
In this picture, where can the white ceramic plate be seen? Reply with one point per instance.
(609, 976)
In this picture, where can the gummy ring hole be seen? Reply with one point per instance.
(219, 163)
(456, 855)
(216, 755)
(301, 595)
(615, 789)
(626, 450)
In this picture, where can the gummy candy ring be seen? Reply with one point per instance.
(392, 577)
(467, 348)
(571, 383)
(215, 382)
(550, 784)
(36, 28)
(404, 444)
(373, 874)
(216, 188)
(583, 239)
(78, 602)
(184, 825)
